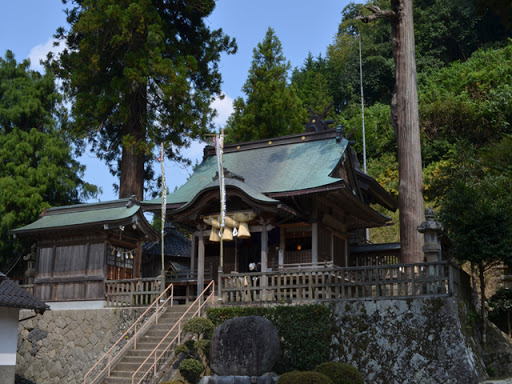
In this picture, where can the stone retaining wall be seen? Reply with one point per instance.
(414, 341)
(61, 346)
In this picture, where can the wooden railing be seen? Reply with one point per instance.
(354, 283)
(132, 292)
(162, 354)
(129, 339)
(187, 276)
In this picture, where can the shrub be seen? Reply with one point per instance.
(182, 348)
(199, 326)
(203, 345)
(341, 373)
(191, 370)
(307, 377)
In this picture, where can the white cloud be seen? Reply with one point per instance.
(224, 109)
(40, 51)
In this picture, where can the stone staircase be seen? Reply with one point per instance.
(124, 369)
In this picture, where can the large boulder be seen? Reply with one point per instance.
(244, 346)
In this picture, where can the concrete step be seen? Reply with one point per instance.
(123, 370)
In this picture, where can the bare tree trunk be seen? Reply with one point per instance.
(133, 156)
(405, 118)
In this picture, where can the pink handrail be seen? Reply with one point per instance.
(153, 353)
(133, 340)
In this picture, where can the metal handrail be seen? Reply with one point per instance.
(133, 341)
(154, 353)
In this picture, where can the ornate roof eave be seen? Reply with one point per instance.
(136, 221)
(193, 210)
(380, 195)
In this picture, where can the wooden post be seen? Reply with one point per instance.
(282, 246)
(200, 264)
(193, 254)
(314, 243)
(137, 262)
(264, 259)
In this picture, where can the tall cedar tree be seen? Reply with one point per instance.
(311, 84)
(37, 169)
(272, 107)
(405, 120)
(140, 72)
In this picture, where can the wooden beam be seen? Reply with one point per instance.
(200, 264)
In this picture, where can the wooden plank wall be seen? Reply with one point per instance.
(71, 272)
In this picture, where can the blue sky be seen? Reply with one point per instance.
(27, 26)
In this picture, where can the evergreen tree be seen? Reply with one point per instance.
(312, 86)
(37, 169)
(140, 72)
(272, 107)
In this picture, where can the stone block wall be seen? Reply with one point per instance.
(61, 346)
(414, 341)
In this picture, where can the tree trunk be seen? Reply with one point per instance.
(405, 118)
(483, 323)
(133, 153)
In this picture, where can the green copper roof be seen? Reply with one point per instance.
(82, 214)
(270, 168)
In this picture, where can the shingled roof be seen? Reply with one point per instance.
(175, 244)
(292, 163)
(12, 295)
(92, 215)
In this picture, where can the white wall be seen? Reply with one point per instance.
(8, 335)
(8, 343)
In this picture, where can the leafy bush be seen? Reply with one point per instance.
(305, 332)
(182, 348)
(199, 326)
(307, 377)
(341, 373)
(203, 345)
(191, 370)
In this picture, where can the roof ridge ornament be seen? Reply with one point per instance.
(228, 175)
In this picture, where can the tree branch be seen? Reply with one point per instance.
(377, 14)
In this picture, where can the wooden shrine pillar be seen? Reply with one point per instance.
(264, 259)
(200, 264)
(137, 262)
(282, 246)
(264, 248)
(193, 254)
(314, 243)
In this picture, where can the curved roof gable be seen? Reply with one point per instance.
(271, 166)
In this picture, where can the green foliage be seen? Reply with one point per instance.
(203, 345)
(140, 72)
(305, 332)
(341, 373)
(272, 107)
(37, 169)
(307, 377)
(501, 308)
(198, 326)
(312, 86)
(471, 99)
(182, 348)
(191, 370)
(476, 211)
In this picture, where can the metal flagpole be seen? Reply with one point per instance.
(367, 231)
